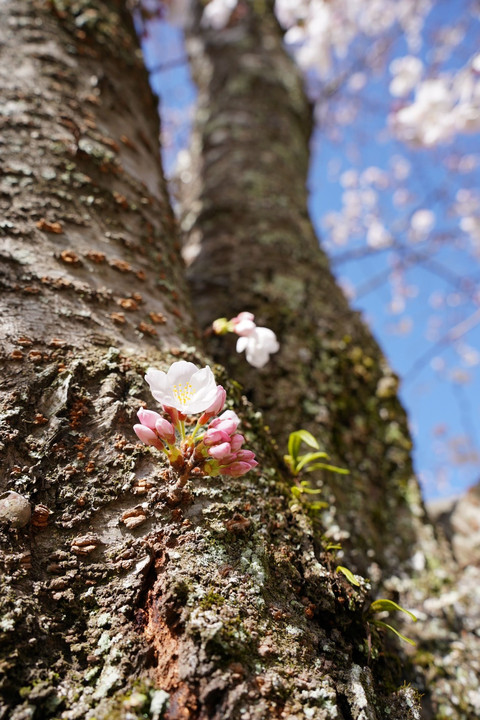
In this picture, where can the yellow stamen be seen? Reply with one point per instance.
(184, 393)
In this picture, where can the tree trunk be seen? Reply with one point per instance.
(250, 246)
(115, 602)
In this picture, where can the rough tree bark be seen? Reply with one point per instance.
(114, 604)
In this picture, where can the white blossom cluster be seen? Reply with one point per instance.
(318, 30)
(443, 107)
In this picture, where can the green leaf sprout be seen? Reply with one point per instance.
(348, 574)
(306, 462)
(384, 605)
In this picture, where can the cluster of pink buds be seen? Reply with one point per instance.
(257, 342)
(213, 447)
(222, 443)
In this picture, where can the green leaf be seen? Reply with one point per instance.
(296, 492)
(308, 439)
(390, 627)
(382, 604)
(295, 440)
(332, 546)
(348, 574)
(308, 458)
(332, 468)
(317, 505)
(305, 488)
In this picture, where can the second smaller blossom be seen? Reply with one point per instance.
(257, 342)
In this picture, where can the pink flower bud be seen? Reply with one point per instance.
(236, 442)
(214, 437)
(228, 422)
(245, 455)
(220, 452)
(148, 418)
(237, 469)
(147, 436)
(165, 430)
(244, 323)
(215, 407)
(244, 327)
(227, 415)
(175, 415)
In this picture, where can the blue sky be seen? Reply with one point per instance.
(441, 411)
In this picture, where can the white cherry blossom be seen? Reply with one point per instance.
(406, 72)
(258, 346)
(185, 387)
(217, 13)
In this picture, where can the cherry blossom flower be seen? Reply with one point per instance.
(258, 342)
(217, 13)
(406, 72)
(184, 387)
(421, 222)
(258, 346)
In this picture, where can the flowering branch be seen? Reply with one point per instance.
(213, 447)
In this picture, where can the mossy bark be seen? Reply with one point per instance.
(225, 605)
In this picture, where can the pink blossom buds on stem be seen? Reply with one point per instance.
(221, 451)
(148, 418)
(175, 416)
(165, 431)
(237, 469)
(214, 436)
(148, 436)
(228, 422)
(257, 342)
(187, 390)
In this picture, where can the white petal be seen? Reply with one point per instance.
(157, 379)
(181, 371)
(242, 343)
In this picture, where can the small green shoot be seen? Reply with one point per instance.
(384, 605)
(307, 462)
(348, 574)
(332, 546)
(297, 462)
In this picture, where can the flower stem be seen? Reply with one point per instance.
(195, 430)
